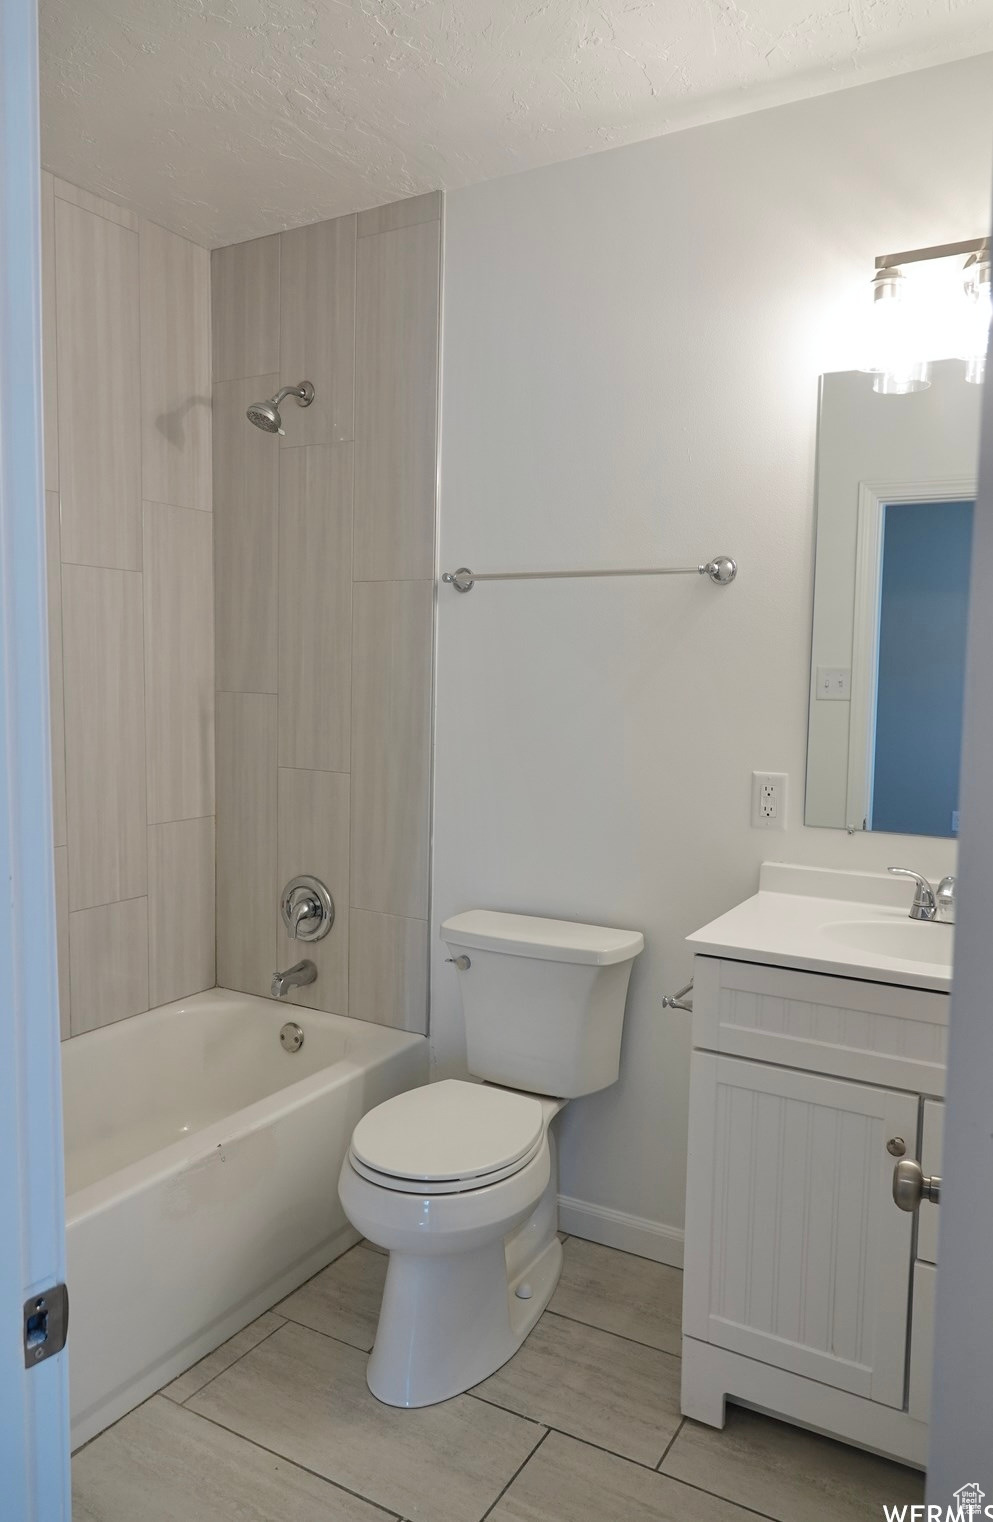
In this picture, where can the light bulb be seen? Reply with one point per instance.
(895, 346)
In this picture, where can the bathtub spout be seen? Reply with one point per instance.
(297, 976)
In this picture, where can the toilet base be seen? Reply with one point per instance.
(447, 1323)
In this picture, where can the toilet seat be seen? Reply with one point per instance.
(447, 1138)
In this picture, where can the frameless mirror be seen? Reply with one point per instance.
(896, 483)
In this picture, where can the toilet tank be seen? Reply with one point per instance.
(543, 999)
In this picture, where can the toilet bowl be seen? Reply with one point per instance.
(458, 1181)
(469, 1220)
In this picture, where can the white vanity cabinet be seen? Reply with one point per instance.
(802, 1293)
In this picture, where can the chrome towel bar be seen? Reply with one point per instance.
(679, 1000)
(722, 570)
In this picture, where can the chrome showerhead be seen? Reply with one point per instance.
(265, 415)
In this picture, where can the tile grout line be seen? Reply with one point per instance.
(608, 1331)
(284, 1458)
(561, 1432)
(669, 1444)
(200, 1389)
(519, 1470)
(765, 1515)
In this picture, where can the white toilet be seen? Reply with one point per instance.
(459, 1180)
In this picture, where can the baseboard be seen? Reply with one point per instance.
(616, 1228)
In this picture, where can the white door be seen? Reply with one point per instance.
(962, 1399)
(808, 1261)
(34, 1406)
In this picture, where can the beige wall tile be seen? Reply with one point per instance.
(175, 369)
(396, 364)
(315, 606)
(391, 738)
(179, 662)
(55, 685)
(384, 219)
(388, 970)
(49, 351)
(105, 735)
(108, 963)
(245, 308)
(317, 329)
(313, 838)
(99, 205)
(180, 909)
(246, 486)
(246, 840)
(99, 389)
(62, 935)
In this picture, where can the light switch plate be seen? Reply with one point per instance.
(834, 684)
(769, 800)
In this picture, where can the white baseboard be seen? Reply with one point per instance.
(616, 1228)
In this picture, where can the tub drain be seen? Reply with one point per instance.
(291, 1037)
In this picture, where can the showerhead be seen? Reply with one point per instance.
(265, 415)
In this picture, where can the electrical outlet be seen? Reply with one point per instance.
(769, 800)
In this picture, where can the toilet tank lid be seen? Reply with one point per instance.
(524, 935)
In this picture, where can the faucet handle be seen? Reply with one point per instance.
(945, 897)
(924, 906)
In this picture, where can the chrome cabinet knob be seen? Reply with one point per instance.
(911, 1186)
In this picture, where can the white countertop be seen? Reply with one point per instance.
(851, 924)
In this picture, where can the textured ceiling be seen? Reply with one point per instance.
(225, 119)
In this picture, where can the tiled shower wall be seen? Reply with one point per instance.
(128, 516)
(324, 565)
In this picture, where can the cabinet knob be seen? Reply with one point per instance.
(896, 1146)
(910, 1186)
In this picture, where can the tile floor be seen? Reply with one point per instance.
(583, 1425)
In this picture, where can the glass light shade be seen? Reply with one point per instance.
(895, 341)
(904, 378)
(976, 322)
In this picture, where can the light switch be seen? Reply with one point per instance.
(834, 683)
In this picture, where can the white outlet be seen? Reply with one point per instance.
(769, 800)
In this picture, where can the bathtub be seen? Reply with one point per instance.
(202, 1162)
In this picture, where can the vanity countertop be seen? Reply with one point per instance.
(851, 924)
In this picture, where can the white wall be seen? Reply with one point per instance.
(631, 351)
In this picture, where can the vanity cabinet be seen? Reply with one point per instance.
(803, 1290)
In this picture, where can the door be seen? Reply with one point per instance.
(34, 1406)
(795, 1253)
(962, 1394)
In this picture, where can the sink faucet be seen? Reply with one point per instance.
(297, 976)
(930, 904)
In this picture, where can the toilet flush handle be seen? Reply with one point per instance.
(462, 963)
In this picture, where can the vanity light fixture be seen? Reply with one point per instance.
(901, 348)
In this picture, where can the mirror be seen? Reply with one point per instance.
(896, 483)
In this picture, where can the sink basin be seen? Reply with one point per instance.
(903, 940)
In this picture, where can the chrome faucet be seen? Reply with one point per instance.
(297, 976)
(930, 904)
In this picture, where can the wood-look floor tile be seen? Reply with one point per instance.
(594, 1386)
(344, 1299)
(305, 1396)
(789, 1474)
(566, 1481)
(163, 1464)
(618, 1292)
(200, 1374)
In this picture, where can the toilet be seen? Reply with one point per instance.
(458, 1181)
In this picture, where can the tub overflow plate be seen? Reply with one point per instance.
(291, 1037)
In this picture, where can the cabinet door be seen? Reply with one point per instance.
(927, 1216)
(795, 1252)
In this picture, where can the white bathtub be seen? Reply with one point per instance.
(202, 1164)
